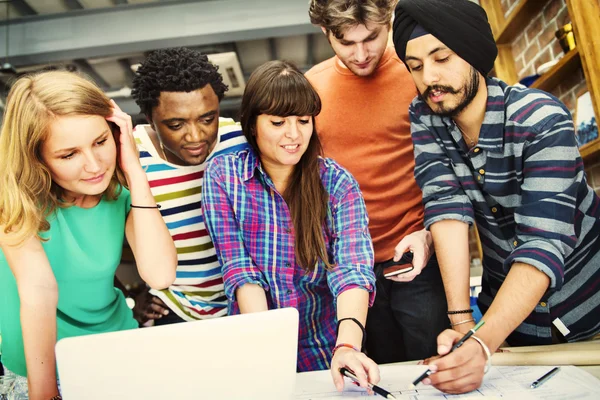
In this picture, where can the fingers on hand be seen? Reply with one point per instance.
(372, 370)
(464, 375)
(157, 300)
(402, 247)
(460, 384)
(338, 380)
(159, 309)
(408, 277)
(446, 339)
(464, 361)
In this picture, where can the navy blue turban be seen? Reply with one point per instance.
(460, 24)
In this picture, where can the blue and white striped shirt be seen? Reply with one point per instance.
(524, 185)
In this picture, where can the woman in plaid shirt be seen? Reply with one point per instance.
(290, 228)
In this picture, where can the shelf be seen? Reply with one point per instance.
(518, 19)
(590, 153)
(567, 66)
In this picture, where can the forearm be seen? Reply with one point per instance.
(38, 323)
(352, 303)
(451, 242)
(149, 238)
(521, 291)
(251, 298)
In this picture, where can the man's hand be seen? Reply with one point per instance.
(148, 307)
(365, 369)
(420, 243)
(460, 371)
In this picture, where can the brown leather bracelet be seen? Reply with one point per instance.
(57, 397)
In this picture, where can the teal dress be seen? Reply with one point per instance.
(84, 249)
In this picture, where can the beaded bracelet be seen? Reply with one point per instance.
(339, 346)
(469, 311)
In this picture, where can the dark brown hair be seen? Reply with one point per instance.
(279, 88)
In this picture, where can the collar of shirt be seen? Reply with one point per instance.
(251, 165)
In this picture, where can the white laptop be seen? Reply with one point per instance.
(248, 356)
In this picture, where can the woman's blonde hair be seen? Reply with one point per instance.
(27, 193)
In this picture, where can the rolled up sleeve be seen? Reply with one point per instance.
(443, 196)
(546, 220)
(351, 245)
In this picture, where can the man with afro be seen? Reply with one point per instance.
(179, 91)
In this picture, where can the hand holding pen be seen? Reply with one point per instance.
(363, 368)
(376, 389)
(456, 345)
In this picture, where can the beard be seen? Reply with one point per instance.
(469, 91)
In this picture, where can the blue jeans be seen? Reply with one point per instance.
(406, 317)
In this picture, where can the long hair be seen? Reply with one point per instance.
(279, 88)
(27, 193)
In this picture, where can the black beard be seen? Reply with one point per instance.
(469, 90)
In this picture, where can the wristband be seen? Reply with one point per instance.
(488, 355)
(357, 322)
(339, 346)
(463, 322)
(156, 206)
(469, 311)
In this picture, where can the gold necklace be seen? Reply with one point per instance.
(471, 142)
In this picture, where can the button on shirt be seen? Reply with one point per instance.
(525, 186)
(251, 227)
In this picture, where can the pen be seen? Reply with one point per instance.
(456, 346)
(380, 391)
(540, 381)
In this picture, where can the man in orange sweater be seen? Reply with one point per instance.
(366, 91)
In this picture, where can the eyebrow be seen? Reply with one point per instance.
(440, 48)
(75, 148)
(207, 114)
(373, 35)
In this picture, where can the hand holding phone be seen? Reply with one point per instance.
(401, 266)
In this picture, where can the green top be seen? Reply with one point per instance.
(84, 250)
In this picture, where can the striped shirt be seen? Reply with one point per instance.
(251, 227)
(524, 185)
(197, 292)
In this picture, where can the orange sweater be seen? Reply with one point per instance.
(364, 126)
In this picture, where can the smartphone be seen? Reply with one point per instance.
(401, 266)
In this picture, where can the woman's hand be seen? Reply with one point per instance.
(128, 153)
(365, 369)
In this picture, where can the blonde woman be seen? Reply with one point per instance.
(68, 157)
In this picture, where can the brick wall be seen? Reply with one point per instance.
(532, 48)
(537, 45)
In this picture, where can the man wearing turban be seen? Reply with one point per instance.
(506, 158)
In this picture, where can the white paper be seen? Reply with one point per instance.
(500, 383)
